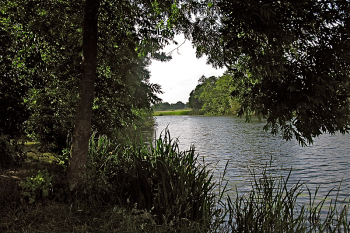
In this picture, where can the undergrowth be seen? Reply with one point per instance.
(172, 185)
(272, 205)
(155, 187)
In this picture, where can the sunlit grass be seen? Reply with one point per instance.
(191, 112)
(33, 152)
(172, 113)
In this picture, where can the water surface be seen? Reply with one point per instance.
(246, 146)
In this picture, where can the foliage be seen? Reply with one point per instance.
(196, 112)
(82, 217)
(271, 206)
(164, 106)
(194, 102)
(47, 49)
(62, 159)
(37, 186)
(13, 88)
(14, 112)
(11, 152)
(213, 96)
(290, 57)
(171, 184)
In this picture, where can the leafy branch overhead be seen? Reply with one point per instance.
(290, 60)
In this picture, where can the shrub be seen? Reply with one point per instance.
(11, 152)
(158, 177)
(37, 186)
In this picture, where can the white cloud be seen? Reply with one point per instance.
(179, 76)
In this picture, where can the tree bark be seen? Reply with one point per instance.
(82, 128)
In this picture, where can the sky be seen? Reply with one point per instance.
(179, 76)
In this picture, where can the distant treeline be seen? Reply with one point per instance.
(166, 106)
(213, 96)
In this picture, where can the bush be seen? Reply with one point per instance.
(171, 184)
(37, 186)
(11, 152)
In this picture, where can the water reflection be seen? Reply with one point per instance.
(246, 146)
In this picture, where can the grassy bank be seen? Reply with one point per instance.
(154, 188)
(127, 188)
(170, 113)
(192, 112)
(84, 217)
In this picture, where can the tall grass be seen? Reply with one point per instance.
(155, 187)
(172, 185)
(271, 206)
(196, 112)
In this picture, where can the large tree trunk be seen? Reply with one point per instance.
(82, 128)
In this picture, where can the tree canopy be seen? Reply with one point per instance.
(290, 60)
(164, 106)
(213, 96)
(72, 56)
(42, 53)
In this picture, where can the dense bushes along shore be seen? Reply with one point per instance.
(155, 187)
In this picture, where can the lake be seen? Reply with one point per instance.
(246, 146)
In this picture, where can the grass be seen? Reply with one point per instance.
(271, 206)
(156, 188)
(147, 188)
(191, 112)
(170, 113)
(171, 184)
(82, 217)
(34, 153)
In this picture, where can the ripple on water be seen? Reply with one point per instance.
(246, 146)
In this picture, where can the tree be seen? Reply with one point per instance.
(213, 95)
(12, 91)
(179, 105)
(166, 106)
(162, 106)
(290, 58)
(82, 128)
(194, 101)
(217, 96)
(129, 34)
(150, 14)
(121, 85)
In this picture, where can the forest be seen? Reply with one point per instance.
(164, 106)
(213, 96)
(74, 88)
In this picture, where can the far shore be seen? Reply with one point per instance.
(179, 112)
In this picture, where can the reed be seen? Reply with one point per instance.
(172, 184)
(271, 206)
(155, 187)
